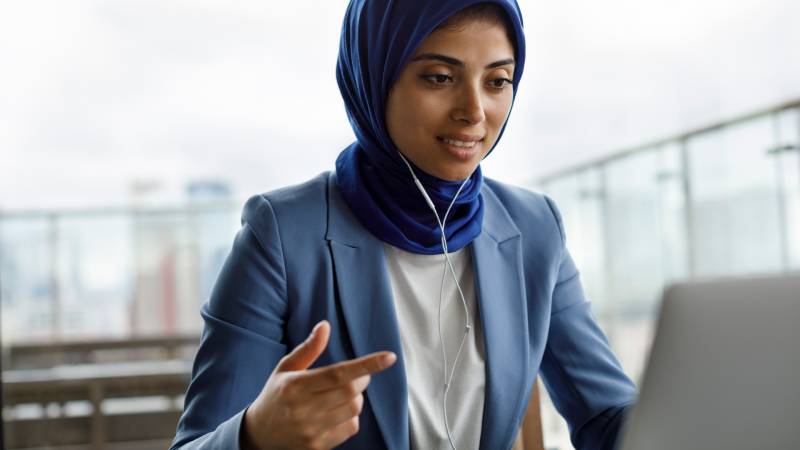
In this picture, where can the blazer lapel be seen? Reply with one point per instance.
(497, 258)
(365, 296)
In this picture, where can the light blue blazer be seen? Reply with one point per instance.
(302, 256)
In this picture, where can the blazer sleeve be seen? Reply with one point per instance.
(580, 372)
(242, 338)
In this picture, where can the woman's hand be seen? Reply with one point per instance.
(312, 409)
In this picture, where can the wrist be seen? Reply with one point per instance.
(247, 440)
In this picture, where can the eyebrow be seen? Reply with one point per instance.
(455, 62)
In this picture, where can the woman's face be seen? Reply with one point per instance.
(449, 103)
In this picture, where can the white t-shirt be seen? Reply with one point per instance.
(416, 281)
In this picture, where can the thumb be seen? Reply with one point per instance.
(308, 351)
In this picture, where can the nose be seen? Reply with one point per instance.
(469, 107)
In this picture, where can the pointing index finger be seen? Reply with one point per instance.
(335, 375)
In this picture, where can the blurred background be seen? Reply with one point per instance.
(131, 132)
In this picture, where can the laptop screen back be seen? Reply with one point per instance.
(724, 369)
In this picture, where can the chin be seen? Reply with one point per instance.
(455, 175)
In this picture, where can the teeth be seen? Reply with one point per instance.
(463, 144)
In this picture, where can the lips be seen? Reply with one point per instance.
(462, 147)
(468, 138)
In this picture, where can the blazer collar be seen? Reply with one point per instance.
(365, 296)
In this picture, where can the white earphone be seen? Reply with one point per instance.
(448, 265)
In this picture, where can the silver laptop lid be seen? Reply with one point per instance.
(724, 369)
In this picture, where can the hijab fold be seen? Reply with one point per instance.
(378, 37)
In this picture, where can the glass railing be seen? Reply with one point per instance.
(110, 272)
(718, 201)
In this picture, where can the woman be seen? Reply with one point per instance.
(404, 301)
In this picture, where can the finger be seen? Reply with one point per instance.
(335, 375)
(341, 413)
(332, 398)
(340, 433)
(308, 351)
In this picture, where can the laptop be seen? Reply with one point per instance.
(724, 369)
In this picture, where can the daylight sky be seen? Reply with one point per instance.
(98, 94)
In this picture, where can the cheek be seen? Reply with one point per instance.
(422, 116)
(427, 108)
(405, 106)
(411, 121)
(497, 112)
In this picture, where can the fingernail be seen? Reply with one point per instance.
(388, 360)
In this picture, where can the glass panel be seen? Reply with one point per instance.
(110, 273)
(735, 210)
(634, 222)
(635, 263)
(93, 270)
(26, 282)
(787, 154)
(672, 209)
(177, 258)
(164, 275)
(579, 199)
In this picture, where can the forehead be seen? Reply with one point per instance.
(474, 39)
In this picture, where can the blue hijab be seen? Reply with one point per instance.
(378, 37)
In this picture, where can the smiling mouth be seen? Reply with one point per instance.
(467, 144)
(463, 151)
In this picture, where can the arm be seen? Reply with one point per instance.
(579, 370)
(242, 336)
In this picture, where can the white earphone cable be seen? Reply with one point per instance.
(448, 265)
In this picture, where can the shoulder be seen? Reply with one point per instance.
(526, 208)
(299, 208)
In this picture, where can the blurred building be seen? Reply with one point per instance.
(110, 272)
(177, 256)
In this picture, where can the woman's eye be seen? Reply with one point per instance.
(500, 83)
(438, 78)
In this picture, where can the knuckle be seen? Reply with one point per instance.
(340, 374)
(352, 425)
(354, 407)
(333, 375)
(351, 389)
(357, 404)
(365, 381)
(368, 366)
